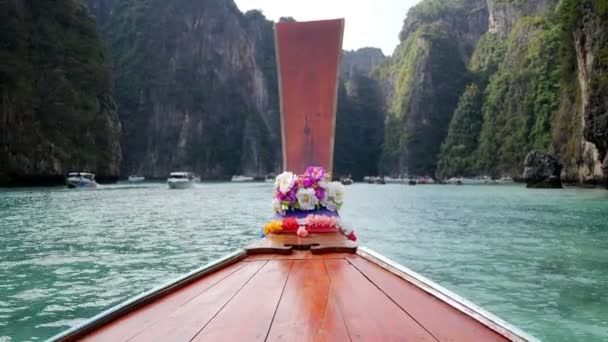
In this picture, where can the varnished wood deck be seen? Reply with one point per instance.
(298, 297)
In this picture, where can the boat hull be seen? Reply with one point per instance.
(180, 184)
(79, 183)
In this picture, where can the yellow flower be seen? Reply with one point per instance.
(273, 227)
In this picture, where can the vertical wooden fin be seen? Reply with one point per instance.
(308, 63)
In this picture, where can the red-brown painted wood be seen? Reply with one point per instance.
(133, 323)
(328, 297)
(187, 320)
(317, 243)
(368, 313)
(308, 56)
(443, 321)
(248, 316)
(307, 311)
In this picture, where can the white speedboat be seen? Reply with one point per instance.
(136, 179)
(180, 180)
(241, 179)
(455, 180)
(81, 180)
(390, 180)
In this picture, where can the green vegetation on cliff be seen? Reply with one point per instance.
(425, 77)
(457, 155)
(531, 98)
(521, 98)
(57, 113)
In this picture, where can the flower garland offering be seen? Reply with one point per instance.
(310, 191)
(313, 190)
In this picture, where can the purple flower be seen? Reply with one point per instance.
(320, 193)
(316, 173)
(307, 182)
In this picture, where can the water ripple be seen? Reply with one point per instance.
(535, 258)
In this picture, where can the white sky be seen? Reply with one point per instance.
(368, 22)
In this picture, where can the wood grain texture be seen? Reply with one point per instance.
(307, 311)
(308, 61)
(187, 320)
(248, 316)
(131, 324)
(368, 313)
(318, 243)
(442, 320)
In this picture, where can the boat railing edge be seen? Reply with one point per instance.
(454, 300)
(146, 297)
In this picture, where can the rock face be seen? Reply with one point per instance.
(542, 171)
(591, 43)
(423, 80)
(362, 61)
(195, 86)
(57, 113)
(541, 70)
(504, 14)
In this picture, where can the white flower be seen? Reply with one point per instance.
(307, 199)
(344, 228)
(277, 206)
(285, 181)
(334, 195)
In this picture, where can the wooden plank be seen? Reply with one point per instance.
(296, 255)
(248, 316)
(308, 62)
(318, 243)
(136, 321)
(185, 322)
(443, 321)
(307, 311)
(368, 313)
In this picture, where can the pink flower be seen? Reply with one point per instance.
(316, 173)
(320, 221)
(302, 232)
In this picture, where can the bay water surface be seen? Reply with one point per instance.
(536, 258)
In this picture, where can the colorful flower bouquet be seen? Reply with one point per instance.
(308, 203)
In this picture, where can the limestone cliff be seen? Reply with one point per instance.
(57, 113)
(362, 61)
(541, 71)
(591, 43)
(195, 86)
(424, 78)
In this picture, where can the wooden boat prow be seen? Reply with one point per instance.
(295, 294)
(323, 287)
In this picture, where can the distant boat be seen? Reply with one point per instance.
(240, 178)
(180, 180)
(81, 180)
(478, 180)
(505, 180)
(390, 180)
(136, 179)
(425, 180)
(346, 180)
(455, 180)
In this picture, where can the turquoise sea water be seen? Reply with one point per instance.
(536, 258)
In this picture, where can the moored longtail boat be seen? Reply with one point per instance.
(301, 281)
